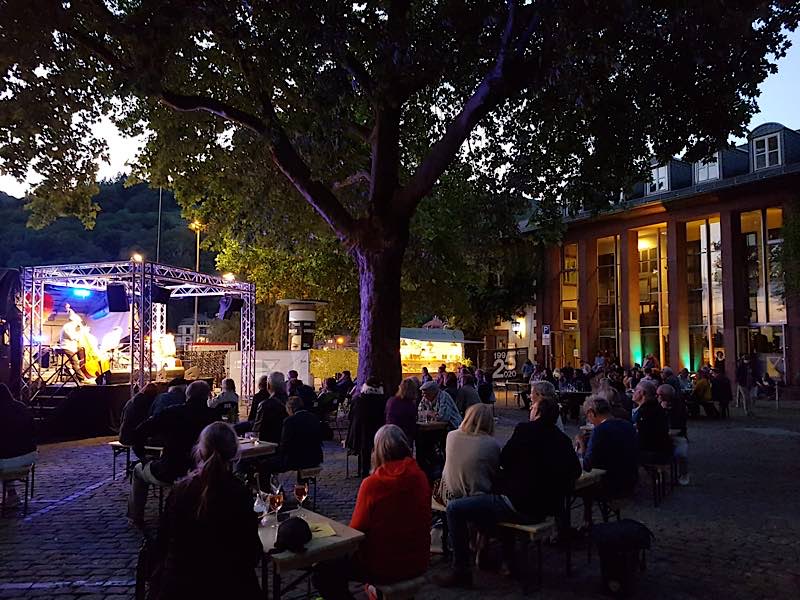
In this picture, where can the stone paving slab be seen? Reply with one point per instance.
(735, 532)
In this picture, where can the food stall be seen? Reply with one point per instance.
(423, 347)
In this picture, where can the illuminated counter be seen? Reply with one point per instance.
(430, 348)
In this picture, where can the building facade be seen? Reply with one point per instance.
(687, 268)
(186, 336)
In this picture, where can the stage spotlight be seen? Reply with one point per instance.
(81, 293)
(137, 257)
(229, 277)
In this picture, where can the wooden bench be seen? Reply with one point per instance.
(535, 532)
(402, 590)
(311, 475)
(25, 475)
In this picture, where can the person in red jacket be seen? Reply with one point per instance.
(395, 549)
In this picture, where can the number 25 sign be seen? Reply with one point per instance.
(505, 363)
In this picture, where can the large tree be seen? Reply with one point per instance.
(361, 108)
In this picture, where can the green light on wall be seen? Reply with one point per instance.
(636, 353)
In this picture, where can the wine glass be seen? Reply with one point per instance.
(300, 493)
(275, 504)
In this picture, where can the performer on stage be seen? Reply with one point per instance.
(71, 335)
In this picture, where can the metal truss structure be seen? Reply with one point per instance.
(147, 317)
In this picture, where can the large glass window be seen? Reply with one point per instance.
(653, 293)
(607, 294)
(766, 151)
(762, 233)
(776, 293)
(567, 343)
(704, 289)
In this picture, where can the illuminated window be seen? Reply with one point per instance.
(653, 293)
(607, 294)
(704, 289)
(660, 180)
(566, 345)
(766, 151)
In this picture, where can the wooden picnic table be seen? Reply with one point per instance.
(345, 542)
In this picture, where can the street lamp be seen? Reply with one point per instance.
(197, 227)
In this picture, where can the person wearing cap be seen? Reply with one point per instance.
(613, 446)
(174, 396)
(441, 404)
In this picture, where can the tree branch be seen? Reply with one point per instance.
(494, 87)
(352, 180)
(183, 103)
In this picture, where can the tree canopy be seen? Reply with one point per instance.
(354, 113)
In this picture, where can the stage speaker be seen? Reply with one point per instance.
(229, 305)
(117, 298)
(160, 295)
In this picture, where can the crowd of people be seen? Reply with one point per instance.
(633, 417)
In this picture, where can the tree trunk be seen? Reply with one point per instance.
(379, 269)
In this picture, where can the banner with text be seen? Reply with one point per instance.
(503, 364)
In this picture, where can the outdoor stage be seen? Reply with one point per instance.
(77, 412)
(94, 334)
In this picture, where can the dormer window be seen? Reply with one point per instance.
(660, 182)
(766, 152)
(706, 170)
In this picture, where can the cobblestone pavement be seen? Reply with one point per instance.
(734, 532)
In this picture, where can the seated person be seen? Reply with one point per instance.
(271, 412)
(401, 409)
(539, 468)
(174, 396)
(135, 412)
(655, 445)
(227, 402)
(467, 395)
(345, 384)
(541, 390)
(328, 399)
(301, 441)
(262, 394)
(441, 403)
(472, 456)
(393, 509)
(450, 385)
(701, 396)
(612, 446)
(296, 387)
(17, 445)
(208, 528)
(677, 416)
(178, 428)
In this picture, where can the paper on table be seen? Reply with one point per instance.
(321, 530)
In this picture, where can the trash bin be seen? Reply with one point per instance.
(620, 546)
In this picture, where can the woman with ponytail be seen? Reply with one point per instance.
(208, 544)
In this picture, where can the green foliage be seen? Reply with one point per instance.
(263, 117)
(788, 259)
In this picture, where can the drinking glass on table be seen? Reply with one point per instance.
(300, 493)
(275, 504)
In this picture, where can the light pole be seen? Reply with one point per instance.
(197, 227)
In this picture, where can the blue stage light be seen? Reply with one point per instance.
(80, 293)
